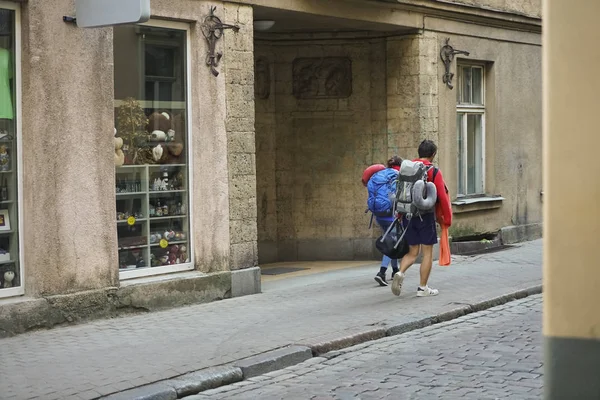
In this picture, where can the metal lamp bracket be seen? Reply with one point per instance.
(212, 29)
(447, 54)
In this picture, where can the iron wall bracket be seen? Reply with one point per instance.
(212, 29)
(447, 54)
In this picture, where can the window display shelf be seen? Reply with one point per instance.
(123, 194)
(135, 258)
(131, 166)
(6, 172)
(170, 243)
(141, 246)
(152, 219)
(124, 221)
(167, 191)
(6, 201)
(7, 232)
(166, 165)
(7, 262)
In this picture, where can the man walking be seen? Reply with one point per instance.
(421, 232)
(384, 222)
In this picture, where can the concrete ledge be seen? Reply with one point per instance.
(155, 391)
(185, 385)
(210, 378)
(245, 282)
(521, 233)
(347, 341)
(273, 360)
(25, 314)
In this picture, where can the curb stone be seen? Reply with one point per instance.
(182, 386)
(214, 377)
(273, 360)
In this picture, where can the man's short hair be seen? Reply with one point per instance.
(427, 149)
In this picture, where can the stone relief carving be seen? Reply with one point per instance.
(322, 78)
(262, 78)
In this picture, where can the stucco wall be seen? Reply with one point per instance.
(313, 206)
(70, 241)
(530, 8)
(208, 136)
(68, 168)
(513, 132)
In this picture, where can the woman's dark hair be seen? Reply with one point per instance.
(394, 161)
(427, 149)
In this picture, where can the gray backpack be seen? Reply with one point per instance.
(414, 195)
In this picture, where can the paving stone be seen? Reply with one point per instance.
(140, 349)
(383, 377)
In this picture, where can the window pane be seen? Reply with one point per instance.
(152, 178)
(474, 154)
(466, 85)
(459, 133)
(10, 271)
(477, 76)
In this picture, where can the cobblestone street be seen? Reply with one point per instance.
(109, 356)
(494, 354)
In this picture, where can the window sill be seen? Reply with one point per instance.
(469, 204)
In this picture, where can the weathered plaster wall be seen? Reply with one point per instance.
(513, 131)
(209, 138)
(319, 148)
(68, 170)
(70, 239)
(530, 8)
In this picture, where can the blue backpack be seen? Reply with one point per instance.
(382, 189)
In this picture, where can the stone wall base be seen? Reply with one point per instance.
(521, 233)
(20, 315)
(364, 249)
(245, 282)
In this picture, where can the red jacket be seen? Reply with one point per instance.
(443, 208)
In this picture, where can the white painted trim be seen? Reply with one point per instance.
(483, 153)
(151, 271)
(466, 109)
(190, 154)
(463, 201)
(168, 269)
(17, 291)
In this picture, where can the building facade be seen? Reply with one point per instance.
(159, 164)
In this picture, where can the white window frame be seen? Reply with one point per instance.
(168, 269)
(20, 290)
(466, 109)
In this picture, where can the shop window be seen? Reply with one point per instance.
(470, 124)
(152, 130)
(11, 277)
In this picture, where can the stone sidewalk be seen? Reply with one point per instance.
(105, 357)
(493, 354)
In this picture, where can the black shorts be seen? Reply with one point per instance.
(421, 230)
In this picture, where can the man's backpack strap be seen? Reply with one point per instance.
(435, 172)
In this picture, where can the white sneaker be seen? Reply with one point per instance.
(397, 283)
(427, 291)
